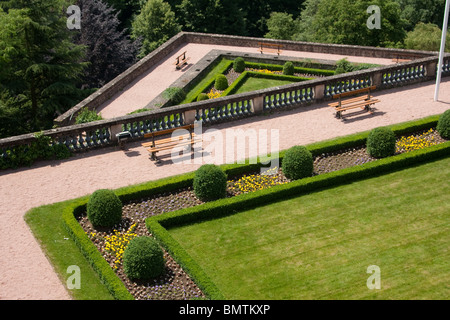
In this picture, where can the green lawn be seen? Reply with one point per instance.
(46, 225)
(319, 246)
(252, 84)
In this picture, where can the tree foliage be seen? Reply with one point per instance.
(426, 36)
(40, 66)
(108, 54)
(154, 25)
(212, 16)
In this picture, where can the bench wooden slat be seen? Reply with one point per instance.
(168, 147)
(171, 139)
(358, 105)
(361, 98)
(353, 92)
(161, 144)
(169, 144)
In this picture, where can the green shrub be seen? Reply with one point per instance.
(104, 208)
(297, 163)
(343, 66)
(443, 125)
(239, 65)
(87, 115)
(143, 258)
(175, 95)
(381, 142)
(288, 68)
(210, 183)
(221, 82)
(202, 96)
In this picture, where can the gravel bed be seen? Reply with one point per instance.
(175, 284)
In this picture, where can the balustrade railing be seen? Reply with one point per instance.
(103, 133)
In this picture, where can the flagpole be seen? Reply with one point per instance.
(441, 52)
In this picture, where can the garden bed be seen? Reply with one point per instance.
(175, 283)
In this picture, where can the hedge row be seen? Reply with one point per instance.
(90, 251)
(276, 67)
(253, 74)
(210, 82)
(209, 210)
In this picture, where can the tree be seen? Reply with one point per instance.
(212, 16)
(281, 25)
(425, 11)
(426, 36)
(109, 51)
(345, 22)
(154, 25)
(40, 65)
(306, 31)
(127, 10)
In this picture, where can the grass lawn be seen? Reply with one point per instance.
(319, 246)
(252, 84)
(46, 225)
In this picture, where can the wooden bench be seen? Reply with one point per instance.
(161, 144)
(270, 47)
(181, 60)
(363, 102)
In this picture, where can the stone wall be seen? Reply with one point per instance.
(116, 85)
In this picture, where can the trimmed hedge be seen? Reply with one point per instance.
(247, 74)
(104, 208)
(90, 251)
(221, 82)
(239, 65)
(143, 259)
(158, 224)
(288, 68)
(381, 142)
(276, 67)
(210, 183)
(298, 163)
(443, 126)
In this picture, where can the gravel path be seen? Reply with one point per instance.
(25, 271)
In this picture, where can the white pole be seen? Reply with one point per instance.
(441, 52)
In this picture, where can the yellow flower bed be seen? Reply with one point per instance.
(213, 94)
(411, 143)
(263, 71)
(117, 242)
(256, 182)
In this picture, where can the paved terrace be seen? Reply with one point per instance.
(25, 271)
(153, 82)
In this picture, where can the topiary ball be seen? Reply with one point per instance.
(288, 68)
(381, 142)
(239, 65)
(104, 208)
(221, 82)
(443, 125)
(297, 163)
(202, 96)
(175, 95)
(143, 258)
(210, 183)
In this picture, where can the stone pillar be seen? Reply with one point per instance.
(189, 116)
(377, 79)
(257, 104)
(115, 129)
(319, 92)
(431, 70)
